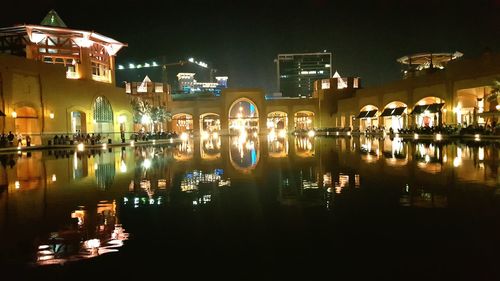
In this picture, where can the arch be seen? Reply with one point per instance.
(27, 123)
(102, 115)
(182, 123)
(243, 116)
(209, 124)
(244, 153)
(427, 112)
(395, 116)
(367, 117)
(304, 120)
(277, 120)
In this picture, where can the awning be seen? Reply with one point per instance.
(362, 114)
(398, 111)
(419, 109)
(435, 107)
(371, 113)
(393, 111)
(387, 112)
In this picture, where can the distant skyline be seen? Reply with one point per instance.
(242, 38)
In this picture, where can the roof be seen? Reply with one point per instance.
(53, 19)
(423, 58)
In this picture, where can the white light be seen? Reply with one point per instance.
(427, 112)
(131, 66)
(54, 178)
(104, 146)
(255, 134)
(204, 135)
(481, 154)
(147, 65)
(14, 114)
(123, 167)
(498, 107)
(80, 146)
(139, 66)
(191, 59)
(282, 133)
(456, 162)
(145, 119)
(184, 136)
(439, 137)
(17, 184)
(122, 119)
(132, 143)
(311, 133)
(427, 158)
(215, 135)
(415, 136)
(92, 243)
(51, 115)
(477, 137)
(120, 66)
(146, 164)
(155, 64)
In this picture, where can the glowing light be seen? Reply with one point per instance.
(123, 167)
(132, 143)
(255, 134)
(497, 107)
(155, 64)
(54, 178)
(311, 133)
(146, 164)
(145, 119)
(427, 158)
(122, 119)
(439, 137)
(427, 112)
(184, 136)
(120, 66)
(96, 167)
(477, 137)
(282, 133)
(17, 184)
(204, 135)
(80, 146)
(147, 65)
(445, 158)
(104, 146)
(92, 243)
(14, 114)
(131, 66)
(51, 115)
(415, 136)
(456, 162)
(481, 154)
(191, 59)
(215, 135)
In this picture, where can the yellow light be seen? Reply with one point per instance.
(255, 134)
(415, 136)
(54, 178)
(123, 167)
(132, 143)
(282, 133)
(311, 133)
(51, 115)
(456, 162)
(497, 107)
(122, 119)
(204, 135)
(80, 146)
(439, 137)
(215, 135)
(184, 136)
(14, 114)
(17, 184)
(104, 146)
(477, 137)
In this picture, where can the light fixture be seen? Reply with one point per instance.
(14, 114)
(51, 115)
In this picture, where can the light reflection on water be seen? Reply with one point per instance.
(71, 201)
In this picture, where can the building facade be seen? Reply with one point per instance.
(296, 73)
(57, 80)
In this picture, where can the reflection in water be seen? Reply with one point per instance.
(42, 191)
(85, 237)
(244, 152)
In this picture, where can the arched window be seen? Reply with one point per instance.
(103, 113)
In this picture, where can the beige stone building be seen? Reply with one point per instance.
(57, 80)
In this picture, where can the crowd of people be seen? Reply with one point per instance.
(8, 140)
(142, 135)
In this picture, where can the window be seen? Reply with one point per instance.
(102, 111)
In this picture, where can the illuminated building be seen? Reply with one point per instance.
(296, 73)
(58, 80)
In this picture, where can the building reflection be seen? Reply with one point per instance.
(244, 152)
(89, 234)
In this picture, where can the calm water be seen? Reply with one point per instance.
(318, 205)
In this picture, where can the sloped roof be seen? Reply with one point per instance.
(53, 19)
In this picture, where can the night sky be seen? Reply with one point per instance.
(242, 38)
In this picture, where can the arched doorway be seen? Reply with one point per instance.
(367, 117)
(394, 116)
(466, 109)
(209, 124)
(304, 120)
(182, 123)
(243, 117)
(78, 122)
(27, 123)
(428, 112)
(103, 115)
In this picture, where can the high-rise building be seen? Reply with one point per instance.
(296, 73)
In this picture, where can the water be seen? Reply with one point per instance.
(275, 205)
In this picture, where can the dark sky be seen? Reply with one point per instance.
(241, 38)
